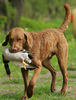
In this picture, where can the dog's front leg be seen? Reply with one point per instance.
(26, 82)
(34, 78)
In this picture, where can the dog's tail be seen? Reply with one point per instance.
(67, 18)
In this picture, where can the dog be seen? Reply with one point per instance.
(42, 46)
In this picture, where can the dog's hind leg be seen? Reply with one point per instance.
(46, 64)
(62, 59)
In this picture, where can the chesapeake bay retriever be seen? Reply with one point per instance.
(42, 46)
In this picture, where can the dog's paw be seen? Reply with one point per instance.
(30, 91)
(53, 88)
(63, 91)
(24, 97)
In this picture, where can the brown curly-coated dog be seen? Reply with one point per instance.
(42, 46)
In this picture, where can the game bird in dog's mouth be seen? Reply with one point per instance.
(21, 56)
(42, 46)
(21, 59)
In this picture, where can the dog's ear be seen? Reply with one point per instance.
(29, 39)
(6, 41)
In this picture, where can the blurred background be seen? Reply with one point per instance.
(20, 12)
(36, 15)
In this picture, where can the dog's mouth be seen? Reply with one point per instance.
(22, 50)
(14, 50)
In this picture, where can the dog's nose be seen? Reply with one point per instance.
(12, 50)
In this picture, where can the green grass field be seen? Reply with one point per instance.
(13, 89)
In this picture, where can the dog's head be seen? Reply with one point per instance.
(17, 38)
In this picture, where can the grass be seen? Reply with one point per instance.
(13, 89)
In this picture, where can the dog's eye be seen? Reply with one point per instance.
(18, 39)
